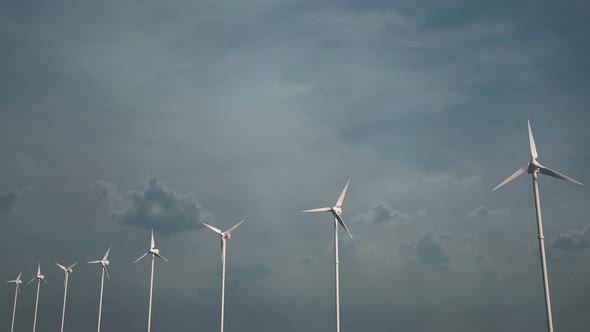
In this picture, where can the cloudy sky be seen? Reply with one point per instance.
(119, 117)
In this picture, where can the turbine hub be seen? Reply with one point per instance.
(533, 166)
(105, 262)
(155, 251)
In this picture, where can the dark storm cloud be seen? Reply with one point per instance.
(156, 207)
(10, 199)
(572, 240)
(427, 249)
(382, 213)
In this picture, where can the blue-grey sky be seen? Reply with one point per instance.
(118, 117)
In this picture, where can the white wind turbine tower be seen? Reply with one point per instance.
(39, 278)
(337, 213)
(103, 262)
(224, 237)
(67, 271)
(533, 167)
(17, 283)
(154, 252)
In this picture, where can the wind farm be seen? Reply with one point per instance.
(455, 132)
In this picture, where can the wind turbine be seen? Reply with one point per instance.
(103, 262)
(17, 283)
(39, 278)
(67, 271)
(533, 167)
(224, 237)
(155, 252)
(336, 211)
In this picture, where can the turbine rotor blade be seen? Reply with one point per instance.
(72, 266)
(534, 154)
(513, 176)
(341, 198)
(341, 222)
(46, 282)
(142, 256)
(162, 257)
(324, 209)
(216, 230)
(106, 256)
(61, 267)
(234, 227)
(550, 172)
(31, 280)
(153, 245)
(107, 271)
(18, 278)
(93, 262)
(39, 268)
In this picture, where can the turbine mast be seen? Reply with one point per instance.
(14, 309)
(542, 251)
(337, 272)
(63, 313)
(223, 246)
(100, 301)
(151, 291)
(36, 305)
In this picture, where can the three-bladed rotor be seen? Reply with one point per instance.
(533, 166)
(153, 250)
(103, 262)
(39, 276)
(68, 269)
(17, 281)
(336, 209)
(224, 235)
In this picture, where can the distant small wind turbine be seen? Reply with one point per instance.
(103, 262)
(534, 167)
(17, 283)
(39, 278)
(336, 211)
(224, 237)
(154, 252)
(67, 271)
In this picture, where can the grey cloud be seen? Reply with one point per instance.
(482, 213)
(10, 199)
(156, 207)
(572, 240)
(382, 213)
(427, 249)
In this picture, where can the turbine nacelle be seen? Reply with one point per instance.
(337, 210)
(105, 262)
(155, 251)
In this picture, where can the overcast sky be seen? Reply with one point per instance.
(117, 117)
